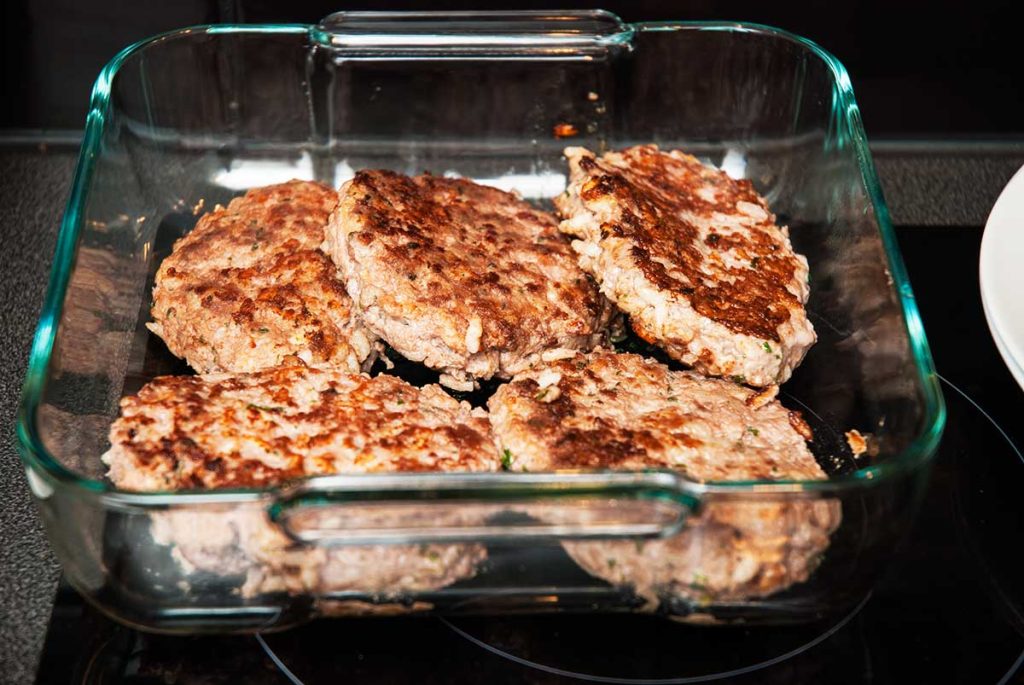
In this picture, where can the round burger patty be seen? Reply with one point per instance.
(694, 257)
(469, 280)
(606, 410)
(269, 427)
(249, 289)
(264, 428)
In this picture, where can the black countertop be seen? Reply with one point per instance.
(927, 186)
(33, 189)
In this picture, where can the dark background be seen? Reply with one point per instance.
(921, 69)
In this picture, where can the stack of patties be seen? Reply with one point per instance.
(248, 299)
(468, 279)
(292, 289)
(699, 265)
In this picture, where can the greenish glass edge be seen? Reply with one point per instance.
(30, 446)
(33, 453)
(35, 456)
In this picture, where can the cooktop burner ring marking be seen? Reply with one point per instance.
(995, 424)
(685, 680)
(277, 661)
(984, 413)
(1013, 669)
(92, 659)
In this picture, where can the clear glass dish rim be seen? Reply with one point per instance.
(39, 461)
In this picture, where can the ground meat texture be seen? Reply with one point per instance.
(727, 553)
(248, 288)
(694, 257)
(239, 541)
(606, 410)
(467, 279)
(274, 426)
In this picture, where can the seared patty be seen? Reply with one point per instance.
(264, 428)
(270, 427)
(694, 257)
(622, 411)
(248, 288)
(612, 410)
(467, 279)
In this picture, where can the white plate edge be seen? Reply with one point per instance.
(1009, 342)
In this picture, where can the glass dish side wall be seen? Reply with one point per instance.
(195, 117)
(173, 122)
(766, 108)
(222, 567)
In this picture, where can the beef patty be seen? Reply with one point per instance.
(469, 280)
(694, 257)
(249, 289)
(621, 411)
(270, 427)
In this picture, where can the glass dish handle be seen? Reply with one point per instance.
(581, 34)
(483, 507)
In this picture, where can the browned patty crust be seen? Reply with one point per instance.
(248, 287)
(618, 410)
(250, 430)
(694, 257)
(622, 411)
(468, 279)
(266, 428)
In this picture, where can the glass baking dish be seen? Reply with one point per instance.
(188, 119)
